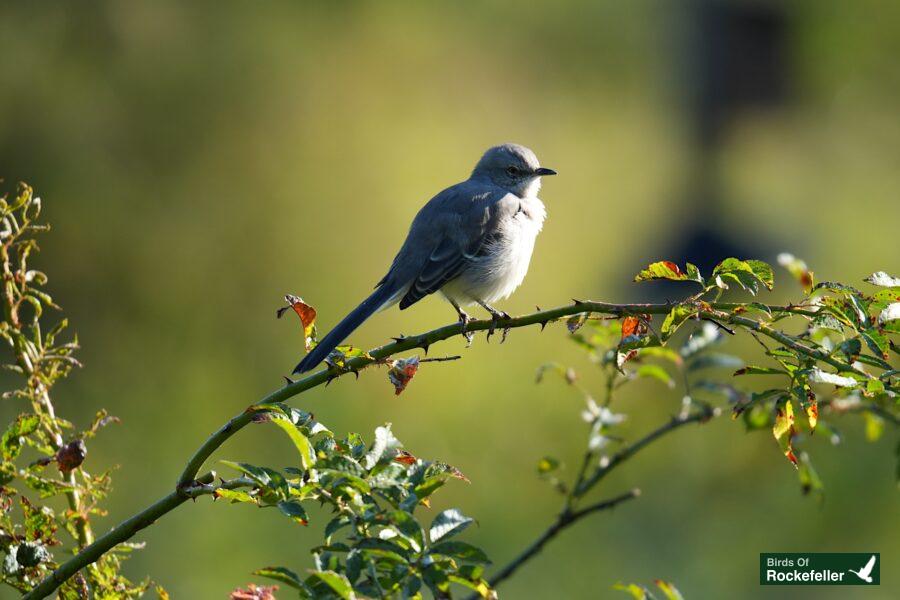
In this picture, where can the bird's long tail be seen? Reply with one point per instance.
(348, 325)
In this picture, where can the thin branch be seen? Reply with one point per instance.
(569, 515)
(624, 454)
(188, 479)
(563, 520)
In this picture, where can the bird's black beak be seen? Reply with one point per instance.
(544, 171)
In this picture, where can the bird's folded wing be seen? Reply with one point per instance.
(446, 262)
(455, 229)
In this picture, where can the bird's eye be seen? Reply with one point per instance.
(512, 171)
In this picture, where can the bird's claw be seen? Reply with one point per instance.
(496, 317)
(464, 321)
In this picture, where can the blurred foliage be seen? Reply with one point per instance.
(30, 526)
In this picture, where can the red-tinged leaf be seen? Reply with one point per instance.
(663, 269)
(457, 474)
(405, 458)
(624, 357)
(784, 431)
(441, 467)
(402, 371)
(631, 326)
(812, 413)
(254, 592)
(307, 316)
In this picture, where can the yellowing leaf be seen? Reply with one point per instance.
(812, 413)
(783, 430)
(307, 316)
(670, 591)
(666, 269)
(874, 426)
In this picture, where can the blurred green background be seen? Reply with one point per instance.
(199, 160)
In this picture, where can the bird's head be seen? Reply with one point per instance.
(512, 167)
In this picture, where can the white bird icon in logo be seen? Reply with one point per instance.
(866, 572)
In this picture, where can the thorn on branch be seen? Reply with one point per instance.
(441, 358)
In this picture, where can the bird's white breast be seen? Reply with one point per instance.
(504, 264)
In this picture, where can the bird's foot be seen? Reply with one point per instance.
(496, 317)
(464, 321)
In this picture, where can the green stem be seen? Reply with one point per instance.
(125, 530)
(187, 480)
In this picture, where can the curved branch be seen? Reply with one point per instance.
(129, 527)
(569, 516)
(188, 483)
(563, 520)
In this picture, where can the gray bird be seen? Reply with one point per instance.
(472, 242)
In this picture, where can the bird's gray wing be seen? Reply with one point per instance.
(448, 234)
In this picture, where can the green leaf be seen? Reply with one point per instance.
(478, 585)
(383, 447)
(408, 528)
(809, 479)
(669, 590)
(655, 372)
(748, 274)
(714, 360)
(637, 592)
(11, 442)
(874, 426)
(460, 550)
(678, 315)
(662, 352)
(283, 575)
(384, 549)
(294, 510)
(763, 272)
(267, 478)
(337, 582)
(447, 524)
(301, 442)
(547, 464)
(235, 496)
(882, 279)
(668, 270)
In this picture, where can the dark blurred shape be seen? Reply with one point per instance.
(736, 61)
